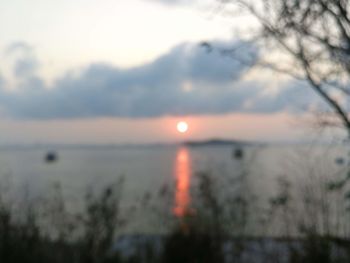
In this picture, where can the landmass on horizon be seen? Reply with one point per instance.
(188, 143)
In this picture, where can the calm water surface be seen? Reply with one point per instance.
(147, 169)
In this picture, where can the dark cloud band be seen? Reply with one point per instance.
(189, 80)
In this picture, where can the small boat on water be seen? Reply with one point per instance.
(51, 157)
(237, 153)
(339, 161)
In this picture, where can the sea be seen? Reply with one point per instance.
(149, 169)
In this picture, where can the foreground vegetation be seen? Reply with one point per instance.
(220, 226)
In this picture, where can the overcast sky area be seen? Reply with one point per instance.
(116, 71)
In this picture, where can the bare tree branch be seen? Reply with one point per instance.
(314, 36)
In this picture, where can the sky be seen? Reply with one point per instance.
(116, 71)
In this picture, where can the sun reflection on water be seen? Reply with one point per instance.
(183, 181)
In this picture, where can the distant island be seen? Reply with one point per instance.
(217, 142)
(190, 143)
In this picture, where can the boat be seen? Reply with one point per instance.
(237, 153)
(51, 157)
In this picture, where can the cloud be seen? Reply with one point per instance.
(19, 46)
(26, 63)
(173, 2)
(293, 96)
(188, 80)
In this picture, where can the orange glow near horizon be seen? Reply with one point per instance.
(256, 127)
(183, 180)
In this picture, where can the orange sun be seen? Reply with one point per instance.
(182, 126)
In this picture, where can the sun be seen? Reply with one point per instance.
(182, 126)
